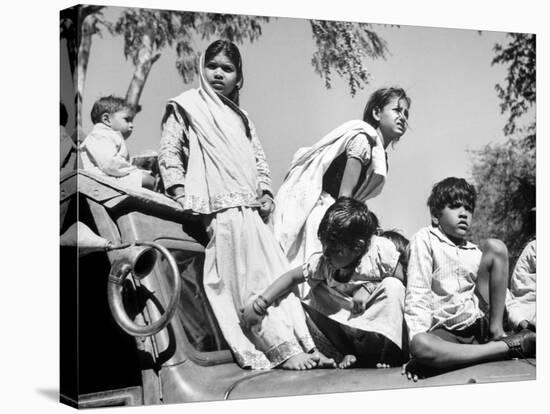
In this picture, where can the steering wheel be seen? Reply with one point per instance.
(140, 266)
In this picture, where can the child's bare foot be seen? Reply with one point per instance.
(347, 362)
(382, 365)
(496, 333)
(299, 362)
(322, 360)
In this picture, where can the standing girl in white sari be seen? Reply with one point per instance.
(349, 161)
(212, 163)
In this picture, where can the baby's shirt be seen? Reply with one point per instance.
(104, 152)
(378, 262)
(441, 280)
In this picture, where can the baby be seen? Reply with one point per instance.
(104, 150)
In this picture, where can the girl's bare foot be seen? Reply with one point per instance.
(322, 360)
(496, 331)
(347, 362)
(496, 334)
(299, 362)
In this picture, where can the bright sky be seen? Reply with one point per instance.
(447, 73)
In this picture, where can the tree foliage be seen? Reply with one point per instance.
(77, 27)
(70, 20)
(505, 173)
(506, 182)
(518, 93)
(343, 47)
(147, 32)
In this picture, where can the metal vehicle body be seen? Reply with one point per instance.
(173, 366)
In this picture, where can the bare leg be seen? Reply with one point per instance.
(492, 281)
(299, 362)
(432, 351)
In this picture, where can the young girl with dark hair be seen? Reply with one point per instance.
(349, 161)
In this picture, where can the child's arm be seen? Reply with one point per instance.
(350, 177)
(254, 312)
(264, 174)
(265, 196)
(357, 152)
(174, 152)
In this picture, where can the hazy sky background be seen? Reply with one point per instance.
(447, 73)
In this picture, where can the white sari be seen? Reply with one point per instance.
(242, 257)
(301, 201)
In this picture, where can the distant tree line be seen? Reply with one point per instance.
(505, 173)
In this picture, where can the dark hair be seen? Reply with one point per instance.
(108, 104)
(230, 50)
(379, 99)
(449, 192)
(375, 222)
(348, 222)
(63, 114)
(401, 244)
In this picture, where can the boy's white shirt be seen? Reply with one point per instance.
(441, 281)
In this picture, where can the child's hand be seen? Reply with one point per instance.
(249, 317)
(266, 206)
(360, 299)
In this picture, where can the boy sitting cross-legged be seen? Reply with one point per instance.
(450, 281)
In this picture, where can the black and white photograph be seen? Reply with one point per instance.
(258, 203)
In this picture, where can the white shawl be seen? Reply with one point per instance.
(303, 183)
(221, 171)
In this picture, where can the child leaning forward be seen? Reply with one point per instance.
(357, 294)
(454, 304)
